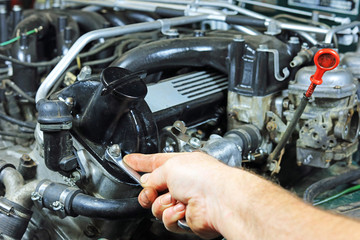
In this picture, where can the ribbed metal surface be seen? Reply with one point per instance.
(184, 88)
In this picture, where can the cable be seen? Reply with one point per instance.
(17, 135)
(7, 118)
(16, 88)
(33, 64)
(346, 191)
(326, 184)
(35, 30)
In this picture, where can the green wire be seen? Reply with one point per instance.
(346, 191)
(35, 30)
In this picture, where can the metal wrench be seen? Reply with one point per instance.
(136, 177)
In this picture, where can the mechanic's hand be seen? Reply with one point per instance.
(193, 182)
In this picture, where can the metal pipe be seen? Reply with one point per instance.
(308, 37)
(144, 6)
(151, 7)
(15, 189)
(247, 30)
(106, 33)
(238, 9)
(289, 130)
(300, 27)
(330, 34)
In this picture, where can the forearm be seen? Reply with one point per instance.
(254, 208)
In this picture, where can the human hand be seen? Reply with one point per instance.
(193, 182)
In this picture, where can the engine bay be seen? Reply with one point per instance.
(85, 83)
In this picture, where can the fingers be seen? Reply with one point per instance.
(147, 197)
(172, 215)
(147, 162)
(156, 180)
(161, 203)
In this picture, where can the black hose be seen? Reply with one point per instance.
(17, 135)
(140, 17)
(171, 53)
(329, 183)
(116, 18)
(88, 21)
(77, 203)
(5, 117)
(88, 206)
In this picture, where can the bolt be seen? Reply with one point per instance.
(85, 72)
(271, 126)
(168, 149)
(172, 33)
(195, 142)
(35, 196)
(26, 159)
(56, 206)
(294, 40)
(69, 101)
(115, 150)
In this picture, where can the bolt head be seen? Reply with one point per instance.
(115, 150)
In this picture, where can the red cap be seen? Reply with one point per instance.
(325, 60)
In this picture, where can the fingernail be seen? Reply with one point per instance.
(144, 178)
(125, 158)
(144, 197)
(179, 207)
(166, 200)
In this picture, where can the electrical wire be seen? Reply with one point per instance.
(35, 30)
(12, 120)
(32, 64)
(346, 191)
(16, 88)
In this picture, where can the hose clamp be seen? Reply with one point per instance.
(37, 196)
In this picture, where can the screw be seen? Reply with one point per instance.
(56, 205)
(115, 150)
(35, 196)
(195, 142)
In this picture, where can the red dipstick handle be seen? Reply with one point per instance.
(325, 60)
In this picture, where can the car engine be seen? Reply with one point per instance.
(85, 83)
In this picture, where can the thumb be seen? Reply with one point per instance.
(156, 180)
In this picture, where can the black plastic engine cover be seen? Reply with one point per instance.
(251, 72)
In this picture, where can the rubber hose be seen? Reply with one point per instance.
(93, 207)
(329, 183)
(171, 53)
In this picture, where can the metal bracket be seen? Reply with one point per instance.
(6, 209)
(165, 26)
(285, 70)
